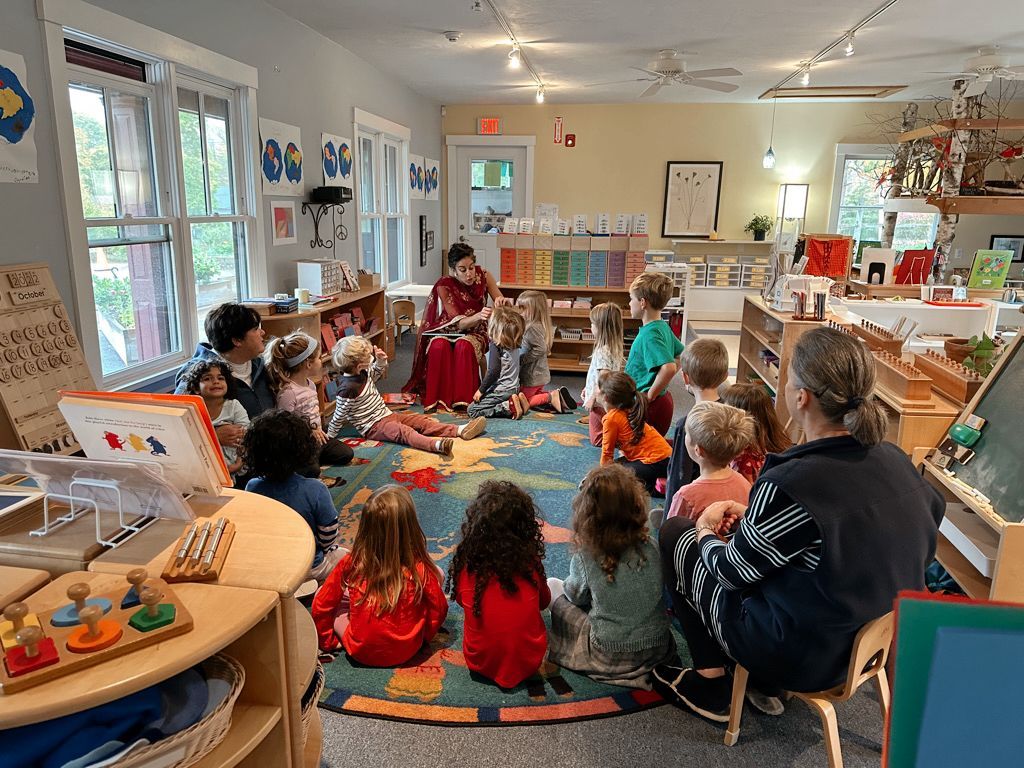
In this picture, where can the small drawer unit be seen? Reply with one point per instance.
(598, 269)
(560, 268)
(578, 267)
(616, 269)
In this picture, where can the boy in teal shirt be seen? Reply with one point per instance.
(653, 354)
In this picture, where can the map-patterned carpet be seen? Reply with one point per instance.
(548, 455)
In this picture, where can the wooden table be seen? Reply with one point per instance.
(16, 583)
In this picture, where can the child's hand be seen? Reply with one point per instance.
(320, 435)
(234, 467)
(230, 435)
(379, 353)
(476, 396)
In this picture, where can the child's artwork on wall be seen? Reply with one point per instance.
(17, 123)
(691, 199)
(280, 158)
(282, 214)
(416, 177)
(336, 160)
(431, 179)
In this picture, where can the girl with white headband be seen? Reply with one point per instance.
(295, 368)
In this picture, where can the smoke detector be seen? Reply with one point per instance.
(451, 36)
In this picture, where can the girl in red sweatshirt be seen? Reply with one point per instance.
(497, 576)
(383, 601)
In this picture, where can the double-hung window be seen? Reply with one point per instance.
(158, 187)
(382, 148)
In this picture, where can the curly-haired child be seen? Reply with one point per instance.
(384, 600)
(359, 403)
(212, 381)
(497, 576)
(276, 447)
(608, 619)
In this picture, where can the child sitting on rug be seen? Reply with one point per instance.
(608, 619)
(533, 354)
(359, 403)
(383, 601)
(212, 381)
(606, 325)
(295, 368)
(716, 434)
(497, 576)
(499, 394)
(276, 447)
(769, 434)
(644, 451)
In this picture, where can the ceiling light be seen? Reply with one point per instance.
(805, 78)
(768, 161)
(849, 49)
(514, 59)
(540, 94)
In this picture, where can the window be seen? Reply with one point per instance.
(858, 202)
(383, 198)
(159, 195)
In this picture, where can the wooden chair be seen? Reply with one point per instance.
(404, 313)
(867, 662)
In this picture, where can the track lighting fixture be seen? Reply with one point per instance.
(849, 49)
(540, 94)
(805, 78)
(514, 57)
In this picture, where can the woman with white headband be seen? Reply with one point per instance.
(295, 368)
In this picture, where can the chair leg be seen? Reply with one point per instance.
(881, 682)
(739, 690)
(831, 728)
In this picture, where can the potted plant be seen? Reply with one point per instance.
(760, 225)
(982, 359)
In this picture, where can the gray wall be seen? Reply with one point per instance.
(317, 87)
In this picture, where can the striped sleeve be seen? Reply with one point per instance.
(774, 532)
(326, 517)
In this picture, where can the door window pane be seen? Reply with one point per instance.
(396, 249)
(366, 180)
(216, 261)
(370, 230)
(490, 194)
(133, 288)
(95, 174)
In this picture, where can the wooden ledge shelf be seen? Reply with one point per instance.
(250, 724)
(994, 205)
(943, 127)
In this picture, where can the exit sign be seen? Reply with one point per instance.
(488, 126)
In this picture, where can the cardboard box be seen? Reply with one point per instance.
(639, 243)
(598, 243)
(524, 242)
(618, 243)
(543, 242)
(506, 240)
(580, 243)
(561, 243)
(369, 280)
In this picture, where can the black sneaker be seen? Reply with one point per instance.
(707, 697)
(568, 401)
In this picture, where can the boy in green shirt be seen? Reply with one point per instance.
(653, 354)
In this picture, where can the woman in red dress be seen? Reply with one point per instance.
(446, 369)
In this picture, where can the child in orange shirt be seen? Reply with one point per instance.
(644, 450)
(383, 601)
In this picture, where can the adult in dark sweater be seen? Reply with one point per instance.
(833, 530)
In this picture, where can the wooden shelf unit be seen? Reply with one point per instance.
(916, 423)
(370, 300)
(570, 355)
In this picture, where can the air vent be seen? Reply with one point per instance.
(833, 92)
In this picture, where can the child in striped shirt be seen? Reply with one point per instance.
(359, 403)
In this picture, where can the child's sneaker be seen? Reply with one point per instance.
(446, 447)
(655, 518)
(568, 401)
(556, 401)
(515, 409)
(474, 428)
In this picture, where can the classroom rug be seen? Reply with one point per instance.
(546, 453)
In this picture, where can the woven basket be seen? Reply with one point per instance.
(187, 747)
(311, 697)
(573, 334)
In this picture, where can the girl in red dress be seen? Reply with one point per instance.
(497, 576)
(769, 434)
(383, 601)
(446, 369)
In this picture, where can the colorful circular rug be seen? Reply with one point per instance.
(546, 454)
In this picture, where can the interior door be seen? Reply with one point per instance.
(491, 184)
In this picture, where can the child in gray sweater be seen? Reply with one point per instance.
(499, 395)
(608, 618)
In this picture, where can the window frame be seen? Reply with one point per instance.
(166, 58)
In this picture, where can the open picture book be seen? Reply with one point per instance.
(450, 329)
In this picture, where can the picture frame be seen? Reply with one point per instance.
(693, 192)
(282, 222)
(1013, 243)
(423, 240)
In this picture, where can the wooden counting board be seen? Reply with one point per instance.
(110, 625)
(878, 337)
(39, 355)
(902, 379)
(950, 377)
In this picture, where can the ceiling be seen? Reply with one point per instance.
(571, 43)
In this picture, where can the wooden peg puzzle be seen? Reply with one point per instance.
(951, 378)
(42, 651)
(68, 616)
(878, 337)
(200, 551)
(901, 378)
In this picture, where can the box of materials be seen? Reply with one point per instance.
(369, 279)
(265, 307)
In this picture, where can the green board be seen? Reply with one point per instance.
(996, 469)
(990, 269)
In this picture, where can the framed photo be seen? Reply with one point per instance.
(1013, 243)
(692, 192)
(282, 215)
(430, 239)
(423, 240)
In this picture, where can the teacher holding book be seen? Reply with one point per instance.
(452, 338)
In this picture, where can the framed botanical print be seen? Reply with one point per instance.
(692, 192)
(1013, 243)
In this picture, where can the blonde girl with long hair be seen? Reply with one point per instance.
(606, 325)
(534, 373)
(383, 601)
(499, 395)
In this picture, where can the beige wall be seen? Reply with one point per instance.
(619, 162)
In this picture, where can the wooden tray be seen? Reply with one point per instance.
(173, 573)
(954, 303)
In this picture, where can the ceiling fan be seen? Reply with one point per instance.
(987, 66)
(670, 69)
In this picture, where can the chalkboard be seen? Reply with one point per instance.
(996, 469)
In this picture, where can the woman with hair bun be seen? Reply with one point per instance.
(834, 529)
